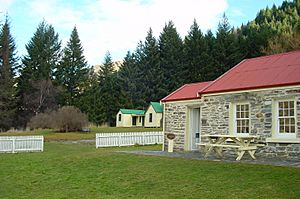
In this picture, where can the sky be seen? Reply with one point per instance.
(118, 25)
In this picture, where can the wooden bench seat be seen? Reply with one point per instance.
(219, 145)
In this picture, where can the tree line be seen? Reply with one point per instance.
(50, 76)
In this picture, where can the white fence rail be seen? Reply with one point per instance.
(13, 144)
(128, 139)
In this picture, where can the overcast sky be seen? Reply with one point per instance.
(118, 25)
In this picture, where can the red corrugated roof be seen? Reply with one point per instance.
(261, 72)
(186, 92)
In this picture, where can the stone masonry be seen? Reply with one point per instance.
(215, 118)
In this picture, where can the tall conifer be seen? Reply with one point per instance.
(8, 64)
(72, 71)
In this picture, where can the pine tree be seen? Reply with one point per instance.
(8, 64)
(128, 81)
(108, 101)
(196, 54)
(226, 49)
(37, 73)
(43, 52)
(150, 73)
(171, 57)
(72, 71)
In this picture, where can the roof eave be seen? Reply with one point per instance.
(248, 88)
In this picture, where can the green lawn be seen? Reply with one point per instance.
(82, 171)
(51, 135)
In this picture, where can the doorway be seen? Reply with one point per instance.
(134, 120)
(194, 128)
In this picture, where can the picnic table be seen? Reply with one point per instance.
(243, 144)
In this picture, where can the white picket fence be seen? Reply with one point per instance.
(14, 144)
(128, 139)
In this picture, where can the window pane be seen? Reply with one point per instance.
(285, 113)
(247, 130)
(238, 114)
(280, 105)
(287, 129)
(287, 121)
(247, 107)
(281, 121)
(238, 122)
(242, 115)
(247, 122)
(247, 115)
(281, 129)
(291, 104)
(286, 105)
(292, 120)
(293, 130)
(292, 113)
(238, 107)
(280, 112)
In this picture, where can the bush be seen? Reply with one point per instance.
(41, 120)
(65, 119)
(69, 118)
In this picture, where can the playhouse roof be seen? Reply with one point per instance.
(132, 111)
(158, 108)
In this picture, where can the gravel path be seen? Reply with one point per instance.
(199, 156)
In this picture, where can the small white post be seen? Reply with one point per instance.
(170, 146)
(171, 138)
(13, 144)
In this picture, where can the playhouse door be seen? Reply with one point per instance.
(194, 128)
(134, 120)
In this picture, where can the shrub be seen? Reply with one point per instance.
(41, 120)
(65, 119)
(69, 118)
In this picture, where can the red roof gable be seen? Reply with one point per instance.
(186, 92)
(261, 72)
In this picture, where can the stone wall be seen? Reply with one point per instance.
(175, 122)
(215, 113)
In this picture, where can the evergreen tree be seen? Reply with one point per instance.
(226, 50)
(8, 64)
(72, 71)
(128, 81)
(209, 65)
(43, 52)
(171, 57)
(37, 73)
(196, 54)
(150, 73)
(108, 100)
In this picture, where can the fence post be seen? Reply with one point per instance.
(13, 144)
(43, 143)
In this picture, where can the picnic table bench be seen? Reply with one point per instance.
(243, 144)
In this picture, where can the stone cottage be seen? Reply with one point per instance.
(259, 96)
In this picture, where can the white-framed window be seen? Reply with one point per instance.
(150, 117)
(286, 126)
(242, 118)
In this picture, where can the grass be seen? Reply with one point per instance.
(82, 171)
(52, 135)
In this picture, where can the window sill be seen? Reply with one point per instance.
(282, 140)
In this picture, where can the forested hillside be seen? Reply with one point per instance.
(50, 76)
